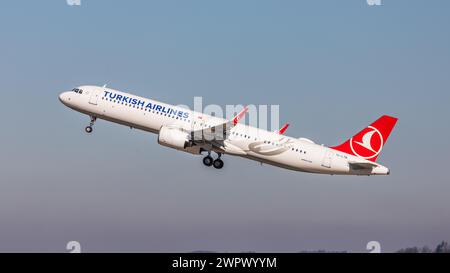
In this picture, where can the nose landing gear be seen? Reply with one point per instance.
(89, 128)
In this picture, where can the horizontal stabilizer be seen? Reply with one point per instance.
(362, 165)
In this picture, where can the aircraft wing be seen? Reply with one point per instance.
(217, 134)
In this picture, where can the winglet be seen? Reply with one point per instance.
(283, 129)
(240, 115)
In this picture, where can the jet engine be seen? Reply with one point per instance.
(176, 138)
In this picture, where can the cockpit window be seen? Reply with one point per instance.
(77, 90)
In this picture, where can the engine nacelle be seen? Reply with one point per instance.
(175, 138)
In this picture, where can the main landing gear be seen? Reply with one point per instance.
(89, 128)
(209, 161)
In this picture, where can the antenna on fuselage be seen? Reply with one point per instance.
(104, 86)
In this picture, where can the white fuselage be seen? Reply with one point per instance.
(245, 141)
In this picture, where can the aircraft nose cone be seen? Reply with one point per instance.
(64, 97)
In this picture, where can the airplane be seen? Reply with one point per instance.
(197, 133)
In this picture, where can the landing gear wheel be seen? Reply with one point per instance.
(218, 163)
(208, 161)
(88, 129)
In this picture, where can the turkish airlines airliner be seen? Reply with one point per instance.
(197, 133)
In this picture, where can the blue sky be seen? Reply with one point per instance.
(332, 66)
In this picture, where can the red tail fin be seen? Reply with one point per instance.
(369, 142)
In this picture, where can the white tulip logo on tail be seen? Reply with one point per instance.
(367, 144)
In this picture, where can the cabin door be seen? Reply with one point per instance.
(327, 159)
(94, 97)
